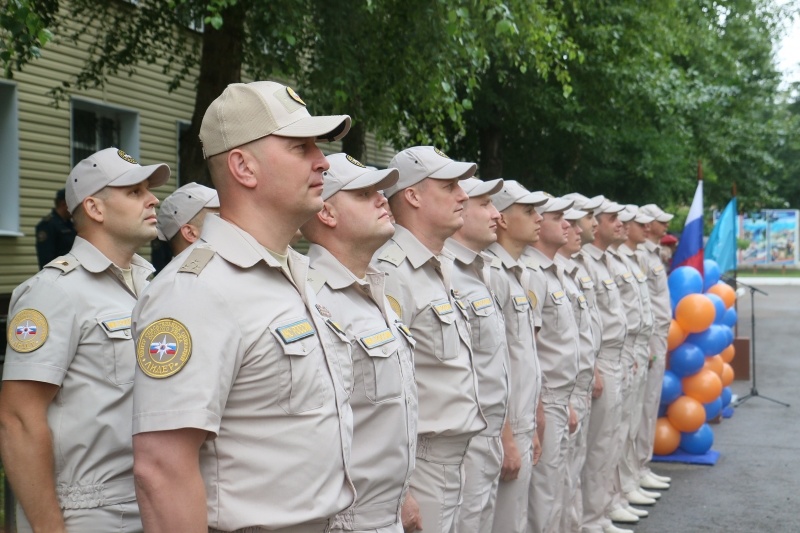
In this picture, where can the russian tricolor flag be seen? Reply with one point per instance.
(690, 247)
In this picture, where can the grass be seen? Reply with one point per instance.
(768, 273)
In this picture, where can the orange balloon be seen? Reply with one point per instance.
(705, 386)
(714, 363)
(686, 414)
(695, 313)
(724, 291)
(676, 336)
(728, 353)
(727, 374)
(667, 438)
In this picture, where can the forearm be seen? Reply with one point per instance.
(540, 420)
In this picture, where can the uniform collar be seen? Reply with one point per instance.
(235, 245)
(416, 252)
(652, 247)
(568, 264)
(624, 249)
(337, 276)
(460, 252)
(543, 261)
(95, 261)
(504, 256)
(593, 251)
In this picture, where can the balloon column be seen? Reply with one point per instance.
(700, 343)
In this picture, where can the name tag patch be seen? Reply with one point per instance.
(116, 324)
(558, 297)
(586, 282)
(609, 283)
(521, 301)
(443, 309)
(296, 331)
(483, 303)
(377, 339)
(658, 269)
(641, 278)
(582, 301)
(628, 277)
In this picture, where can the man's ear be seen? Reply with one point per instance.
(190, 233)
(242, 168)
(412, 196)
(502, 222)
(94, 208)
(328, 215)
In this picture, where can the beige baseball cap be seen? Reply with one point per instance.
(475, 187)
(609, 207)
(553, 204)
(110, 167)
(626, 215)
(575, 214)
(638, 215)
(656, 212)
(182, 206)
(349, 174)
(584, 203)
(420, 162)
(514, 193)
(245, 112)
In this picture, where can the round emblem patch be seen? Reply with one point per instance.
(163, 349)
(126, 157)
(395, 305)
(293, 95)
(532, 297)
(27, 331)
(439, 152)
(355, 161)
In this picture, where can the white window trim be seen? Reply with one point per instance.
(9, 162)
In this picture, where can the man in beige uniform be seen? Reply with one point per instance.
(649, 254)
(427, 203)
(377, 362)
(67, 395)
(602, 453)
(181, 216)
(557, 344)
(519, 225)
(472, 287)
(241, 419)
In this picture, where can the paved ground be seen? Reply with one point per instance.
(755, 486)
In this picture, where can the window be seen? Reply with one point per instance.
(9, 161)
(182, 126)
(96, 126)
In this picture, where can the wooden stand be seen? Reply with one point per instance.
(741, 362)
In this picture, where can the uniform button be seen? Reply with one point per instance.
(127, 333)
(385, 350)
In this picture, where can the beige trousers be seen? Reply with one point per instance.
(482, 466)
(632, 410)
(120, 517)
(511, 511)
(546, 498)
(652, 396)
(576, 457)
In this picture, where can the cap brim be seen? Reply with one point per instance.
(486, 187)
(594, 203)
(555, 205)
(643, 219)
(157, 174)
(626, 216)
(533, 198)
(324, 128)
(611, 209)
(664, 217)
(455, 170)
(213, 203)
(382, 178)
(575, 214)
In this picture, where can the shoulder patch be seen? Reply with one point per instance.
(163, 349)
(64, 263)
(27, 331)
(316, 280)
(197, 260)
(393, 254)
(533, 299)
(395, 305)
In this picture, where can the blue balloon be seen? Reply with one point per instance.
(711, 341)
(730, 317)
(729, 336)
(686, 360)
(713, 409)
(719, 307)
(671, 388)
(698, 442)
(726, 396)
(711, 274)
(683, 281)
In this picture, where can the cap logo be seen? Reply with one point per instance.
(293, 95)
(126, 157)
(355, 161)
(548, 194)
(440, 153)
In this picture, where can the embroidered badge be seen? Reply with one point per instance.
(355, 161)
(442, 309)
(641, 278)
(164, 348)
(126, 157)
(293, 95)
(483, 303)
(586, 282)
(405, 330)
(462, 305)
(377, 339)
(658, 269)
(533, 299)
(27, 331)
(522, 301)
(609, 283)
(557, 297)
(395, 305)
(323, 311)
(440, 153)
(582, 301)
(295, 331)
(117, 324)
(627, 276)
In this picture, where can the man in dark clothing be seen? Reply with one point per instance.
(54, 233)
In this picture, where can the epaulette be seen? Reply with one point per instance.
(316, 280)
(530, 263)
(64, 263)
(497, 263)
(393, 254)
(197, 260)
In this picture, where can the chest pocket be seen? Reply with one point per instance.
(344, 355)
(301, 387)
(444, 331)
(610, 292)
(383, 377)
(119, 354)
(485, 322)
(555, 310)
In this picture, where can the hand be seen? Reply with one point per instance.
(597, 388)
(651, 361)
(409, 515)
(512, 460)
(573, 420)
(537, 449)
(635, 368)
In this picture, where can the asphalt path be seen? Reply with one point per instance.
(755, 485)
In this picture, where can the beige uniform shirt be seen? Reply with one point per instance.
(379, 374)
(558, 340)
(419, 289)
(472, 287)
(637, 310)
(70, 325)
(609, 304)
(649, 255)
(253, 363)
(584, 320)
(508, 279)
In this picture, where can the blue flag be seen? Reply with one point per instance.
(721, 245)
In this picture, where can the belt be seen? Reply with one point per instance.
(91, 495)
